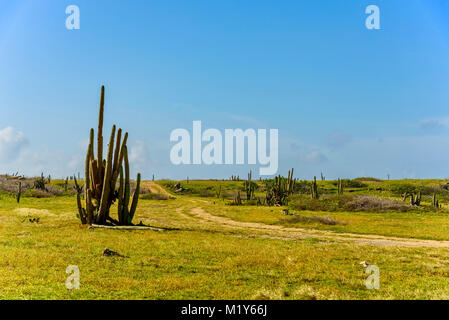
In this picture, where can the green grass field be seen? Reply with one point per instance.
(212, 250)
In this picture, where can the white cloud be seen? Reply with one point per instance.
(76, 162)
(337, 140)
(139, 156)
(12, 143)
(314, 157)
(435, 124)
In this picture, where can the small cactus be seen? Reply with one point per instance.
(435, 201)
(218, 192)
(314, 189)
(19, 191)
(238, 199)
(340, 186)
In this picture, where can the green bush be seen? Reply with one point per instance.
(348, 183)
(400, 188)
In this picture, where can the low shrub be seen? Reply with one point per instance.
(302, 187)
(312, 219)
(370, 179)
(348, 203)
(348, 183)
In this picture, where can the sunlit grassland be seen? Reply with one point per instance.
(203, 261)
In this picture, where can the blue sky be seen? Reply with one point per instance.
(347, 101)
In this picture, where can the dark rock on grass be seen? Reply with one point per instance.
(110, 253)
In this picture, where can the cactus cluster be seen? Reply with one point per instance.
(40, 183)
(279, 189)
(415, 199)
(101, 177)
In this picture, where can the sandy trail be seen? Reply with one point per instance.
(297, 233)
(155, 188)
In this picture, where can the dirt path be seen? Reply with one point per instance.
(155, 188)
(297, 233)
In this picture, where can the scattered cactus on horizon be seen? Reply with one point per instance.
(101, 177)
(235, 178)
(314, 189)
(340, 186)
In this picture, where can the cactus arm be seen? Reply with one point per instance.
(120, 159)
(132, 211)
(104, 202)
(89, 156)
(121, 194)
(100, 133)
(89, 208)
(116, 166)
(127, 186)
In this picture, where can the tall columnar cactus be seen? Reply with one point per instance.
(290, 183)
(218, 192)
(340, 186)
(19, 191)
(250, 187)
(101, 177)
(314, 189)
(435, 201)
